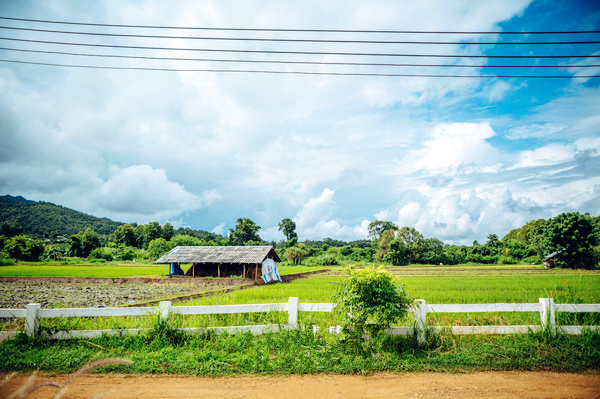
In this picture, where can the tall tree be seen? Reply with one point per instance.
(168, 231)
(574, 234)
(151, 232)
(377, 228)
(288, 227)
(245, 231)
(125, 235)
(407, 247)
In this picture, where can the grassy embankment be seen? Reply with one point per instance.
(166, 351)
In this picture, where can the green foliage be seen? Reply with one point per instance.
(377, 228)
(159, 246)
(83, 244)
(406, 248)
(10, 229)
(369, 302)
(383, 243)
(168, 231)
(185, 240)
(151, 231)
(125, 235)
(326, 259)
(288, 227)
(43, 219)
(575, 234)
(245, 233)
(23, 248)
(295, 255)
(125, 253)
(102, 253)
(433, 252)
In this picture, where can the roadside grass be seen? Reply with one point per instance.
(166, 351)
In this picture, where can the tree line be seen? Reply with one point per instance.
(574, 237)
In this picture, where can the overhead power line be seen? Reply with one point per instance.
(220, 50)
(303, 72)
(263, 39)
(304, 30)
(244, 61)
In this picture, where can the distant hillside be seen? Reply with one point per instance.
(45, 219)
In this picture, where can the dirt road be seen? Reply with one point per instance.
(421, 385)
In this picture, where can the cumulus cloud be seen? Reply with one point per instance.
(454, 144)
(315, 220)
(453, 214)
(139, 192)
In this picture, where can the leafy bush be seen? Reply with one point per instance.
(159, 246)
(295, 255)
(102, 253)
(23, 248)
(326, 259)
(369, 303)
(125, 253)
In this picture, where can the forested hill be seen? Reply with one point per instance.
(44, 219)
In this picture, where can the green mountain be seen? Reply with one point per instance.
(44, 219)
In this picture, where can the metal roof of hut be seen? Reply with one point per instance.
(553, 254)
(213, 254)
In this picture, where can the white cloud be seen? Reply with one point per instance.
(140, 192)
(219, 229)
(453, 145)
(315, 220)
(547, 155)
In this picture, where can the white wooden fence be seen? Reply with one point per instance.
(546, 308)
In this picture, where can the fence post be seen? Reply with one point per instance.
(420, 320)
(32, 319)
(293, 312)
(164, 308)
(547, 315)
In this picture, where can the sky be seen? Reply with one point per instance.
(455, 158)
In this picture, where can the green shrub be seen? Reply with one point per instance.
(295, 255)
(102, 253)
(369, 303)
(326, 259)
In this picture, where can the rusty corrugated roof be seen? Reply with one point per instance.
(195, 254)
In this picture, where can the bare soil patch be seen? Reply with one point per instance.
(410, 385)
(53, 292)
(83, 292)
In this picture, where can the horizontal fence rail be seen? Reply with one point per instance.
(546, 308)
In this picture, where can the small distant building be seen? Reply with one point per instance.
(253, 262)
(549, 261)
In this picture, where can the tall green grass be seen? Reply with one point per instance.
(110, 269)
(125, 270)
(164, 350)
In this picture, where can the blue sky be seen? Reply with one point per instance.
(456, 158)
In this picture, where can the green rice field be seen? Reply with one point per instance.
(496, 284)
(124, 269)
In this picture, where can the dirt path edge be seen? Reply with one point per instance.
(381, 385)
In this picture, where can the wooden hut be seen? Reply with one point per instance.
(253, 262)
(549, 261)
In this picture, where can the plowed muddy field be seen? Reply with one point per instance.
(63, 292)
